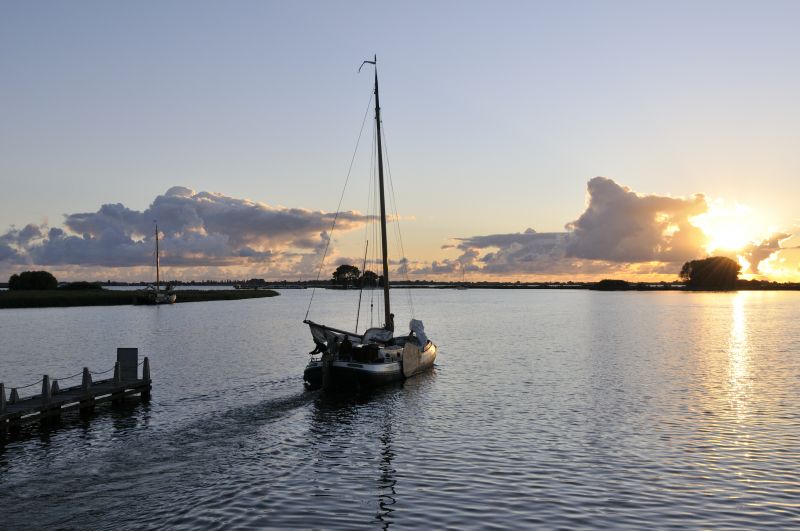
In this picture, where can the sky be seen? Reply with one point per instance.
(527, 140)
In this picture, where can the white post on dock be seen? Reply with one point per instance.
(46, 396)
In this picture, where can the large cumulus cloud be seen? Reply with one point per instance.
(620, 225)
(620, 232)
(197, 229)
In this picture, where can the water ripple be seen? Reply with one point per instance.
(557, 410)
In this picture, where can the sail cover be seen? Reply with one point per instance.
(377, 335)
(326, 335)
(418, 328)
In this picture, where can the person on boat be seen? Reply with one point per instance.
(319, 346)
(345, 349)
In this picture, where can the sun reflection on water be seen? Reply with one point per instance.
(739, 358)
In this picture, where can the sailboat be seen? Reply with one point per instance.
(154, 294)
(349, 361)
(463, 284)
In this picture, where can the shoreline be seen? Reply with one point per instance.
(75, 298)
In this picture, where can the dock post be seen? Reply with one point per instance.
(119, 393)
(3, 423)
(55, 411)
(87, 400)
(14, 398)
(145, 394)
(46, 396)
(48, 409)
(86, 382)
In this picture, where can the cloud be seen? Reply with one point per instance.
(525, 252)
(198, 229)
(620, 233)
(7, 253)
(777, 257)
(757, 252)
(620, 225)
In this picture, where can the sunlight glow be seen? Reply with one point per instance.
(776, 267)
(739, 358)
(744, 263)
(728, 228)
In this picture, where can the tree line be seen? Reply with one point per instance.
(347, 276)
(43, 281)
(713, 273)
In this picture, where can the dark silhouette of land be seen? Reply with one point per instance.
(103, 297)
(40, 289)
(708, 274)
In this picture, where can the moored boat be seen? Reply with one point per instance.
(154, 294)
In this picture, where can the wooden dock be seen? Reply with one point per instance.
(53, 400)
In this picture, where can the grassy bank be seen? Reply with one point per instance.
(63, 298)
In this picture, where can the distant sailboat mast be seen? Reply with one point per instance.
(158, 276)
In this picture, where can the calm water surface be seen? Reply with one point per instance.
(554, 409)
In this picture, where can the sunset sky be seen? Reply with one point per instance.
(527, 140)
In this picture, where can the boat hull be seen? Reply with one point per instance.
(149, 297)
(353, 376)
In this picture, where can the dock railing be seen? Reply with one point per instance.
(53, 400)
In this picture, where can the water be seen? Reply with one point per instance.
(570, 409)
(174, 288)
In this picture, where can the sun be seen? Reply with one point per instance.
(728, 228)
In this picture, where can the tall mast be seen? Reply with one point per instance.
(158, 279)
(387, 314)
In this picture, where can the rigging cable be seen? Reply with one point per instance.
(399, 234)
(361, 291)
(339, 206)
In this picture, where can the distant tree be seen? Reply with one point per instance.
(714, 273)
(346, 275)
(608, 284)
(369, 279)
(30, 280)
